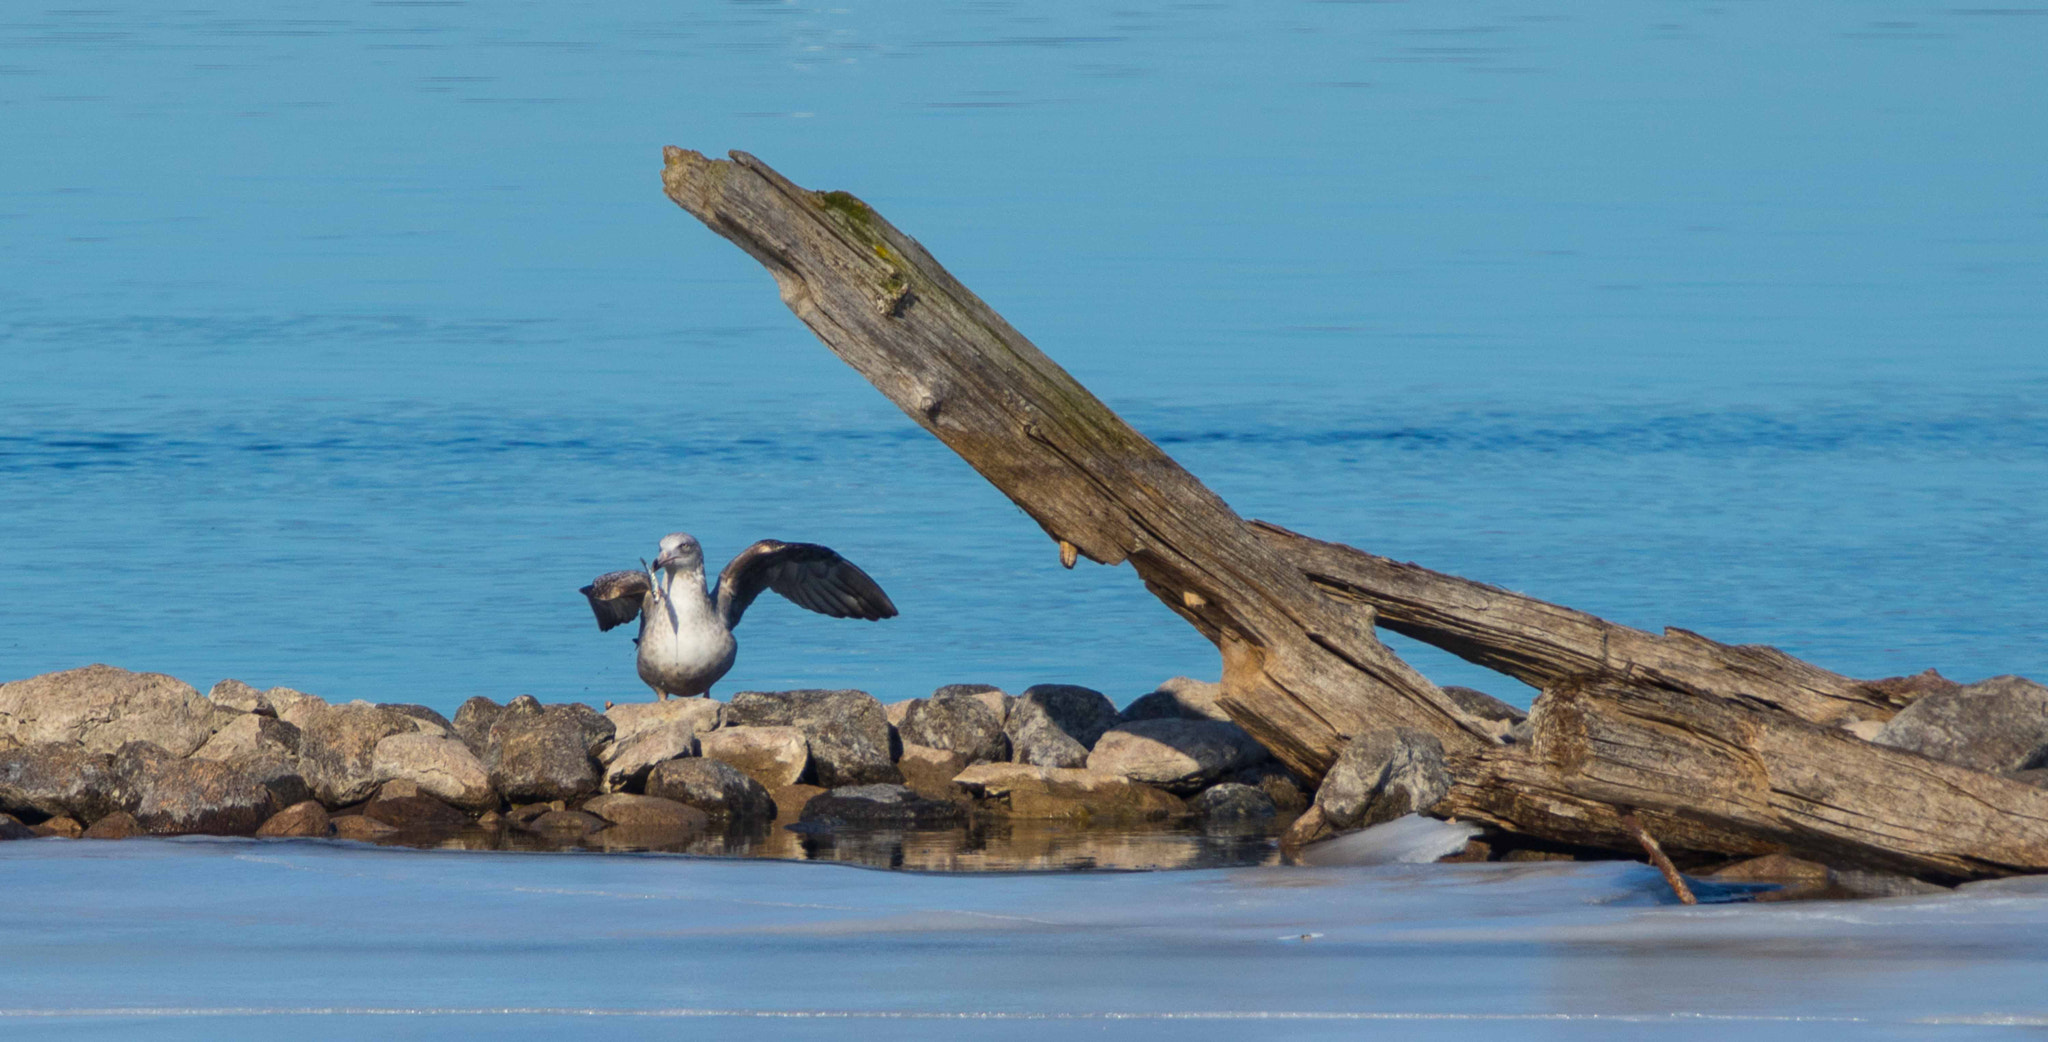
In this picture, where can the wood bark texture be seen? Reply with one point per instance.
(1301, 672)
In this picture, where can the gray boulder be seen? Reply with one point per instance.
(306, 818)
(625, 763)
(1180, 756)
(425, 720)
(718, 789)
(1277, 782)
(540, 753)
(338, 747)
(11, 828)
(698, 715)
(1232, 802)
(439, 764)
(1382, 775)
(473, 722)
(1500, 718)
(416, 814)
(1183, 698)
(991, 697)
(276, 772)
(240, 697)
(1054, 725)
(251, 733)
(53, 779)
(177, 796)
(956, 722)
(626, 810)
(773, 756)
(880, 806)
(101, 708)
(294, 707)
(847, 731)
(1996, 725)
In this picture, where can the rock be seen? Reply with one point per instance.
(251, 733)
(647, 812)
(102, 708)
(294, 707)
(846, 730)
(991, 698)
(68, 828)
(894, 711)
(1180, 698)
(959, 723)
(1277, 782)
(135, 766)
(1382, 775)
(1232, 802)
(566, 824)
(700, 714)
(118, 825)
(1868, 730)
(1996, 725)
(416, 814)
(790, 800)
(199, 796)
(1499, 716)
(929, 772)
(1775, 868)
(277, 773)
(1859, 883)
(358, 827)
(625, 764)
(1181, 756)
(305, 818)
(1055, 793)
(396, 788)
(425, 720)
(440, 766)
(240, 697)
(1919, 685)
(880, 806)
(537, 752)
(774, 756)
(716, 788)
(11, 828)
(1054, 725)
(50, 779)
(338, 747)
(473, 722)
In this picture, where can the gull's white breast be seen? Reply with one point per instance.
(684, 646)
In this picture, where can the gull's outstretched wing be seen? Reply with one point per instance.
(811, 575)
(615, 597)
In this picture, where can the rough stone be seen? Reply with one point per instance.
(773, 756)
(894, 711)
(338, 747)
(1996, 725)
(699, 714)
(240, 697)
(880, 806)
(540, 752)
(250, 733)
(959, 723)
(647, 812)
(416, 814)
(11, 828)
(358, 827)
(716, 788)
(1289, 796)
(990, 696)
(1775, 868)
(1182, 756)
(135, 766)
(929, 772)
(425, 720)
(625, 763)
(525, 812)
(200, 796)
(1232, 802)
(118, 825)
(1179, 698)
(305, 818)
(276, 772)
(102, 708)
(473, 722)
(294, 707)
(1081, 796)
(1499, 717)
(49, 779)
(440, 766)
(1054, 725)
(566, 823)
(1381, 775)
(790, 800)
(846, 730)
(68, 828)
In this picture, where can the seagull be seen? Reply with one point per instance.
(685, 640)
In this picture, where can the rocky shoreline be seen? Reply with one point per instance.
(104, 753)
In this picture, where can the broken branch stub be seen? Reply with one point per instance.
(1302, 673)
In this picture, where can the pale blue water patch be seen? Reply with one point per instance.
(339, 343)
(254, 938)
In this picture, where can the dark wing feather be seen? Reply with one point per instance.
(810, 575)
(615, 597)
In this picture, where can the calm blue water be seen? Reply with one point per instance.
(340, 342)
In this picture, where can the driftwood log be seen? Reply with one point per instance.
(1711, 748)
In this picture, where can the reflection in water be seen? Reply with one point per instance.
(983, 846)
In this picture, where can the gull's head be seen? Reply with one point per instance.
(679, 550)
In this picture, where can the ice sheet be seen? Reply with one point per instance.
(212, 939)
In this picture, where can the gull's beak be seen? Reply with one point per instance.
(665, 559)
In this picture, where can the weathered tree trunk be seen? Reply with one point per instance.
(1541, 644)
(1713, 748)
(1300, 672)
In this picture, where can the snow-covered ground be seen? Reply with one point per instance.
(205, 939)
